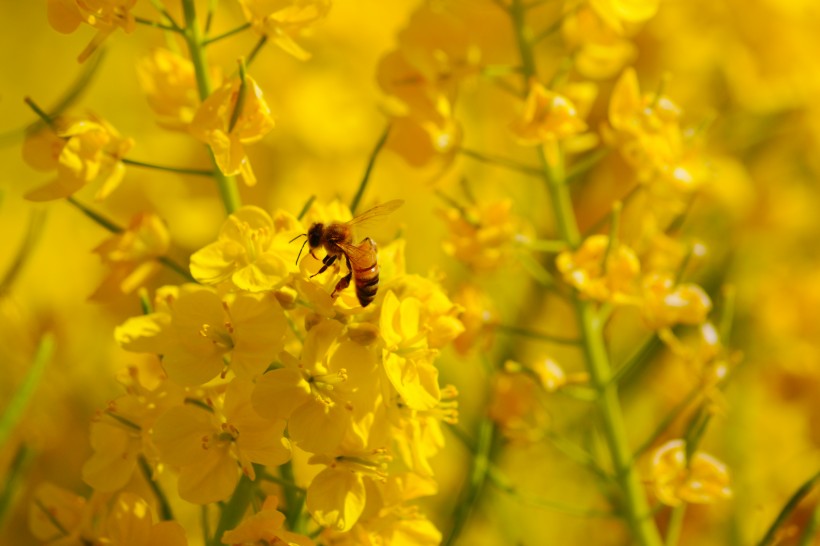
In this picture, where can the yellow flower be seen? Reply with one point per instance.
(248, 251)
(419, 141)
(646, 129)
(517, 406)
(547, 119)
(337, 495)
(130, 524)
(120, 435)
(601, 51)
(104, 15)
(197, 329)
(60, 517)
(477, 316)
(169, 83)
(132, 255)
(389, 519)
(481, 236)
(206, 445)
(265, 526)
(666, 303)
(618, 13)
(218, 124)
(435, 54)
(586, 271)
(281, 20)
(700, 480)
(329, 388)
(81, 150)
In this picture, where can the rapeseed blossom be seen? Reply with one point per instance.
(550, 353)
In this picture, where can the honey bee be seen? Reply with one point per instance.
(361, 259)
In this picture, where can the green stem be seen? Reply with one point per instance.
(180, 170)
(673, 530)
(228, 190)
(812, 526)
(478, 476)
(19, 401)
(591, 328)
(13, 480)
(306, 207)
(789, 507)
(165, 512)
(234, 510)
(114, 228)
(294, 499)
(155, 24)
(500, 161)
(515, 330)
(256, 49)
(224, 35)
(670, 417)
(354, 204)
(33, 232)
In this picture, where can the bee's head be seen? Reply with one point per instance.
(314, 235)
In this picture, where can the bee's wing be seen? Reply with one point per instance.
(376, 212)
(361, 256)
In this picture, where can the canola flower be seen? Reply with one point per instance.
(551, 356)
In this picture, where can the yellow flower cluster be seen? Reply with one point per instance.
(261, 361)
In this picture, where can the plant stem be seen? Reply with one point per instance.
(590, 325)
(114, 228)
(227, 34)
(13, 412)
(515, 330)
(675, 526)
(479, 474)
(13, 480)
(228, 190)
(500, 161)
(180, 170)
(788, 508)
(354, 204)
(234, 509)
(165, 512)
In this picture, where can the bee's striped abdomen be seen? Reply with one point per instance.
(367, 283)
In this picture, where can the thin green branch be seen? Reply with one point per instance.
(239, 106)
(637, 359)
(227, 34)
(586, 163)
(500, 161)
(518, 331)
(12, 481)
(675, 525)
(35, 228)
(306, 207)
(114, 228)
(812, 527)
(256, 49)
(670, 418)
(180, 170)
(165, 512)
(357, 198)
(503, 484)
(479, 473)
(155, 24)
(13, 412)
(97, 217)
(789, 508)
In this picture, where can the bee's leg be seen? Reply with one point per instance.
(345, 281)
(327, 261)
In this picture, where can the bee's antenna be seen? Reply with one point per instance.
(300, 235)
(300, 250)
